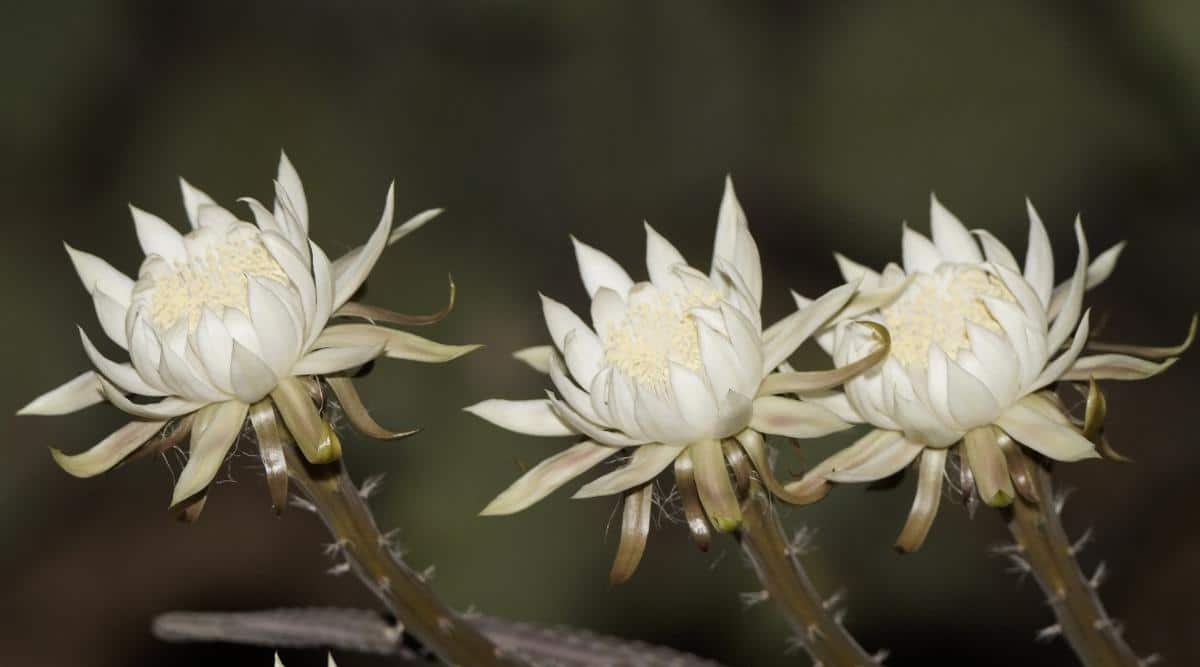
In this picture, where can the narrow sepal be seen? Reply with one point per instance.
(271, 441)
(635, 528)
(925, 504)
(693, 511)
(356, 413)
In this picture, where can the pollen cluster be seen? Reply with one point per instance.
(657, 330)
(935, 310)
(215, 276)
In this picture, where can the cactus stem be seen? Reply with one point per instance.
(1050, 556)
(814, 627)
(341, 506)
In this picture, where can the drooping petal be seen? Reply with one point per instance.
(645, 464)
(336, 359)
(693, 512)
(1034, 430)
(110, 451)
(1039, 259)
(358, 415)
(918, 252)
(80, 392)
(350, 276)
(782, 338)
(209, 447)
(795, 419)
(661, 256)
(536, 357)
(599, 270)
(531, 417)
(734, 243)
(193, 199)
(547, 476)
(925, 504)
(95, 273)
(950, 237)
(1115, 367)
(156, 237)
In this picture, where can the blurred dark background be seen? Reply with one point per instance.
(529, 121)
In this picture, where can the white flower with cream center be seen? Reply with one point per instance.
(221, 318)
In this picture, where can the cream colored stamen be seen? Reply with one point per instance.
(935, 310)
(214, 276)
(655, 332)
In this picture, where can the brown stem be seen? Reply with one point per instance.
(774, 558)
(348, 518)
(1043, 544)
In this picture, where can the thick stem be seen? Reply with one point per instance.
(345, 513)
(1043, 543)
(815, 625)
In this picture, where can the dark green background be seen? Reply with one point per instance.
(531, 121)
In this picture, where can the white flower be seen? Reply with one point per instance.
(221, 318)
(677, 368)
(974, 339)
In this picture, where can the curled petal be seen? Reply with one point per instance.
(209, 447)
(1115, 367)
(532, 417)
(693, 511)
(925, 504)
(271, 441)
(801, 382)
(547, 476)
(1148, 352)
(635, 528)
(80, 392)
(375, 314)
(397, 344)
(988, 466)
(752, 444)
(794, 419)
(356, 413)
(110, 451)
(645, 464)
(783, 337)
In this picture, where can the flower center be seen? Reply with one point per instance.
(214, 276)
(657, 330)
(935, 310)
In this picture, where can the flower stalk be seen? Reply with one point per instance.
(345, 513)
(1043, 544)
(815, 625)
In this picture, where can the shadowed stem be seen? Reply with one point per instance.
(762, 538)
(345, 513)
(1095, 637)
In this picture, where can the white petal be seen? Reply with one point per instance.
(748, 350)
(608, 310)
(577, 398)
(413, 224)
(1012, 320)
(646, 463)
(694, 398)
(193, 199)
(1064, 322)
(1025, 296)
(622, 401)
(164, 409)
(560, 321)
(1067, 359)
(584, 355)
(536, 357)
(109, 451)
(215, 216)
(889, 456)
(122, 375)
(547, 476)
(1099, 271)
(1030, 428)
(336, 359)
(599, 270)
(209, 448)
(921, 426)
(600, 391)
(298, 271)
(581, 425)
(241, 329)
(95, 273)
(156, 237)
(971, 402)
(837, 403)
(214, 346)
(782, 338)
(734, 243)
(250, 376)
(273, 323)
(995, 251)
(660, 257)
(720, 362)
(532, 417)
(323, 283)
(1039, 259)
(1000, 370)
(733, 414)
(290, 181)
(853, 271)
(657, 415)
(918, 252)
(794, 419)
(397, 344)
(350, 277)
(111, 314)
(951, 238)
(1115, 367)
(80, 392)
(265, 219)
